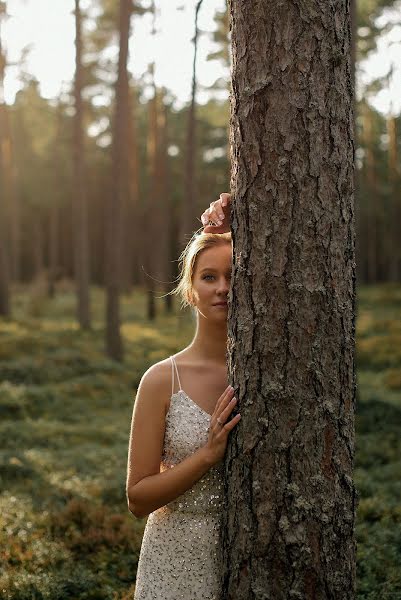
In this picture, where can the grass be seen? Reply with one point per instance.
(65, 414)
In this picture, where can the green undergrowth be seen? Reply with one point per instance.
(65, 412)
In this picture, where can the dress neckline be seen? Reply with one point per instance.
(193, 402)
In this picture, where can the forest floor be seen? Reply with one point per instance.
(65, 414)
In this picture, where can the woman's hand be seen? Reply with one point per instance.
(219, 213)
(218, 432)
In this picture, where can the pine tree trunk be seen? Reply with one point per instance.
(372, 216)
(188, 223)
(116, 203)
(394, 254)
(54, 227)
(151, 208)
(4, 246)
(131, 225)
(166, 200)
(37, 249)
(54, 217)
(80, 208)
(289, 525)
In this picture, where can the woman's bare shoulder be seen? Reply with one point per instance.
(157, 379)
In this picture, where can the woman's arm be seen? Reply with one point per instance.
(147, 489)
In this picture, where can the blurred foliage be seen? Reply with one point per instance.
(65, 415)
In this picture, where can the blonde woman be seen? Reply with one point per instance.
(179, 431)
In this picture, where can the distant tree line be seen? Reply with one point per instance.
(104, 184)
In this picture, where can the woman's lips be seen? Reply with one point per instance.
(220, 304)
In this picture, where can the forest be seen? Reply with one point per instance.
(100, 188)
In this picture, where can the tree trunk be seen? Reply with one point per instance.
(114, 344)
(289, 524)
(188, 223)
(372, 214)
(54, 217)
(80, 207)
(131, 224)
(150, 212)
(4, 257)
(37, 251)
(394, 256)
(168, 209)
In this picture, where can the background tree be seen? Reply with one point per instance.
(80, 206)
(190, 204)
(291, 498)
(121, 180)
(4, 147)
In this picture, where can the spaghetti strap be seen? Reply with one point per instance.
(172, 375)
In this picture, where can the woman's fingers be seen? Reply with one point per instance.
(225, 199)
(227, 408)
(217, 212)
(228, 426)
(224, 398)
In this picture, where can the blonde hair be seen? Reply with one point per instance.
(199, 243)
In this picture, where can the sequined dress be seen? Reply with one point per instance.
(180, 555)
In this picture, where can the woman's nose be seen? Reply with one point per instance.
(223, 285)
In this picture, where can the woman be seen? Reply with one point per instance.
(181, 419)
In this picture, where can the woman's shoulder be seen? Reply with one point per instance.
(157, 378)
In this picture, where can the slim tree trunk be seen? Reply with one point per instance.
(37, 248)
(289, 524)
(150, 213)
(188, 223)
(372, 216)
(114, 344)
(80, 207)
(4, 254)
(394, 255)
(131, 225)
(166, 206)
(54, 217)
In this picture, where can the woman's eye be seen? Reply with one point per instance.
(206, 276)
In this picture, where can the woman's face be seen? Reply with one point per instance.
(211, 281)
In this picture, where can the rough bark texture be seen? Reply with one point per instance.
(290, 519)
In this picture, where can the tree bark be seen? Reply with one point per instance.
(289, 524)
(114, 344)
(80, 200)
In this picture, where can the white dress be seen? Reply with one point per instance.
(180, 556)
